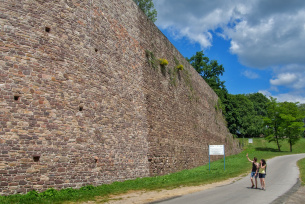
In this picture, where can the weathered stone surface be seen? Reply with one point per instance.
(76, 83)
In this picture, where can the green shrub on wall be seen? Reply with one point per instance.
(163, 62)
(173, 76)
(179, 67)
(219, 105)
(176, 60)
(151, 59)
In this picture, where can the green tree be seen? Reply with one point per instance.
(147, 6)
(256, 125)
(272, 122)
(210, 71)
(259, 102)
(301, 108)
(292, 125)
(241, 116)
(285, 121)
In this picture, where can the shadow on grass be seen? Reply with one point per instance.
(268, 149)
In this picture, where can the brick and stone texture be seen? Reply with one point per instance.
(82, 101)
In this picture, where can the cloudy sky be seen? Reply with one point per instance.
(260, 43)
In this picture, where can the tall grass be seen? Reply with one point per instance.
(235, 165)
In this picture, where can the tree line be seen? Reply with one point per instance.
(252, 115)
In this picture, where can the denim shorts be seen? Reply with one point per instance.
(253, 173)
(262, 175)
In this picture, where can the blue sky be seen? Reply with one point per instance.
(261, 44)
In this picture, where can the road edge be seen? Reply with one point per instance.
(289, 193)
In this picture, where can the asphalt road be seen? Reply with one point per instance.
(282, 175)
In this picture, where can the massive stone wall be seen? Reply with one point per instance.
(82, 101)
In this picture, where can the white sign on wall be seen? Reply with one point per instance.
(250, 140)
(216, 150)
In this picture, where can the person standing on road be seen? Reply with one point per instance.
(262, 173)
(254, 171)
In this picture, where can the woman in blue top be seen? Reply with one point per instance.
(254, 172)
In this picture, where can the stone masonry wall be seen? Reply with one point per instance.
(81, 103)
(183, 116)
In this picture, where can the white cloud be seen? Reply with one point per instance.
(250, 74)
(265, 92)
(196, 19)
(274, 39)
(291, 97)
(290, 76)
(284, 79)
(264, 34)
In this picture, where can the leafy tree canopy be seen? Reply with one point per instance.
(292, 124)
(259, 102)
(301, 108)
(147, 6)
(242, 116)
(210, 71)
(284, 121)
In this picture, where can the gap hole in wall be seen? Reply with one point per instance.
(16, 98)
(47, 29)
(95, 49)
(36, 158)
(81, 108)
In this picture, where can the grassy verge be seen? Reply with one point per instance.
(235, 166)
(301, 164)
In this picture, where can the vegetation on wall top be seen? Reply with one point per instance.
(147, 6)
(179, 67)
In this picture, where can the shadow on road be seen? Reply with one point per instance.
(267, 149)
(254, 188)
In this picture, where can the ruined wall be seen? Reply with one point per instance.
(81, 102)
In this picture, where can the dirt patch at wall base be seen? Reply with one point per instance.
(140, 197)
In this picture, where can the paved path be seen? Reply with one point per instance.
(282, 174)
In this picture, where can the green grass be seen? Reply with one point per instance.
(235, 166)
(301, 164)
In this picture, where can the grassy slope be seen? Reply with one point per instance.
(235, 166)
